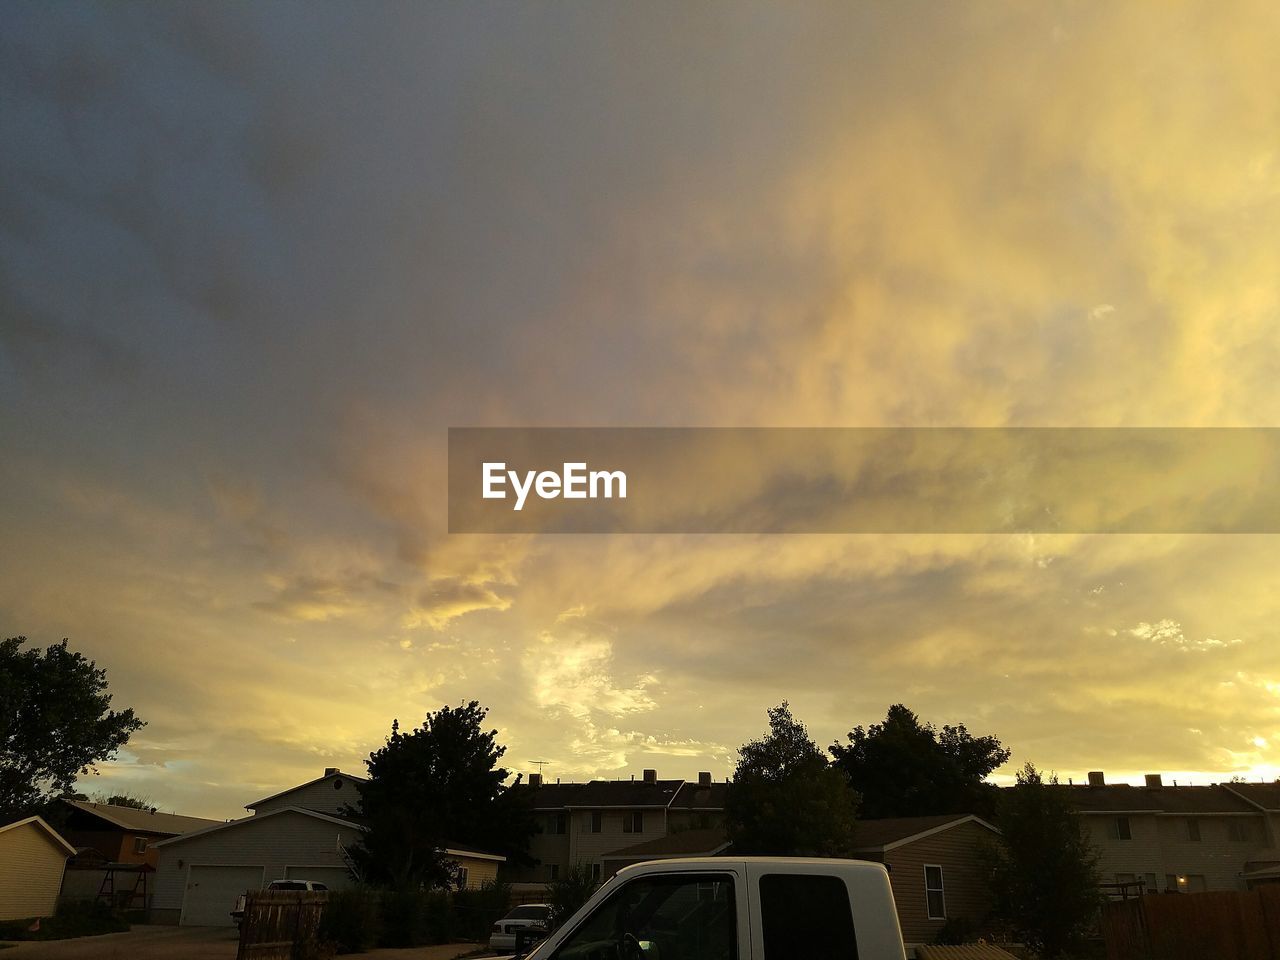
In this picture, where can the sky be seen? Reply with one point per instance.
(255, 259)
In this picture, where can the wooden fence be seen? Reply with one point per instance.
(280, 925)
(1227, 925)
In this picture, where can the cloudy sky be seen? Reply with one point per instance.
(256, 259)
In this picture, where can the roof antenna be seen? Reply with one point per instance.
(540, 764)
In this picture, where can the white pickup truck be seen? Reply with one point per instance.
(755, 908)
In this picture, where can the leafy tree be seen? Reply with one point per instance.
(787, 799)
(569, 892)
(905, 768)
(1045, 872)
(55, 723)
(436, 785)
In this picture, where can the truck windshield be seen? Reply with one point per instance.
(672, 917)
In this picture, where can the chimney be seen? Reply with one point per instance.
(535, 779)
(1096, 779)
(330, 771)
(704, 780)
(1154, 781)
(651, 776)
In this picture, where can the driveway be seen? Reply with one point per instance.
(187, 943)
(143, 942)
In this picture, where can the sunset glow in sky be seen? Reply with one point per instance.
(254, 262)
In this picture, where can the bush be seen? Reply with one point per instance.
(956, 931)
(569, 893)
(476, 911)
(74, 918)
(351, 920)
(411, 918)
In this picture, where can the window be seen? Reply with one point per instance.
(139, 844)
(462, 878)
(1149, 883)
(1196, 883)
(1171, 882)
(1120, 829)
(633, 822)
(806, 917)
(597, 819)
(555, 871)
(664, 916)
(935, 899)
(595, 872)
(559, 822)
(1193, 831)
(1239, 830)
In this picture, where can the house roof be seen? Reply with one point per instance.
(451, 848)
(1123, 798)
(690, 796)
(882, 835)
(38, 822)
(604, 793)
(302, 786)
(141, 821)
(1265, 795)
(466, 850)
(259, 818)
(686, 843)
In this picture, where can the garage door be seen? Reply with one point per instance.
(335, 878)
(211, 894)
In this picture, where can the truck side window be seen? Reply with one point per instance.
(683, 916)
(804, 917)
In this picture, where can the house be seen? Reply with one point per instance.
(123, 834)
(935, 868)
(32, 858)
(1263, 863)
(594, 823)
(301, 833)
(1179, 838)
(687, 843)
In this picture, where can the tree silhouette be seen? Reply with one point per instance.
(55, 724)
(905, 768)
(787, 799)
(1044, 874)
(437, 785)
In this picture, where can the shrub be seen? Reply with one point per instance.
(956, 931)
(411, 918)
(569, 893)
(351, 920)
(476, 911)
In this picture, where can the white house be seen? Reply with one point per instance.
(302, 833)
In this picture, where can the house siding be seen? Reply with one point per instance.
(275, 843)
(31, 866)
(1160, 847)
(479, 872)
(967, 892)
(323, 797)
(578, 845)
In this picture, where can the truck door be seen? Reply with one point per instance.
(806, 911)
(677, 915)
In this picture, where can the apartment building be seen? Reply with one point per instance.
(586, 823)
(1179, 838)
